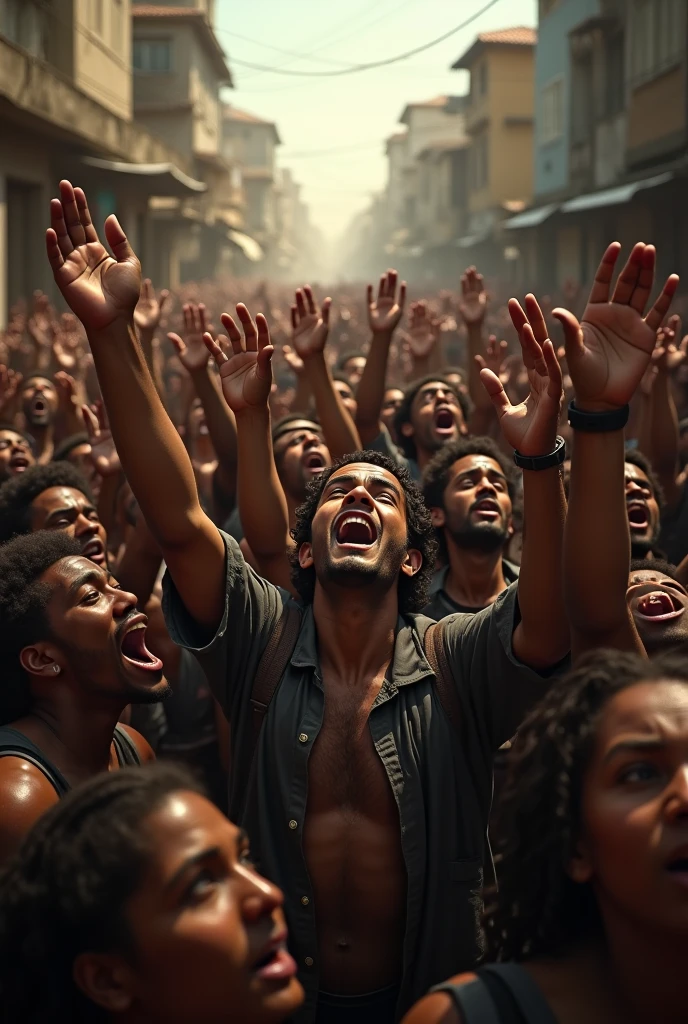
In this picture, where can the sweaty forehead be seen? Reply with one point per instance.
(650, 576)
(60, 497)
(471, 463)
(652, 707)
(33, 381)
(65, 571)
(633, 472)
(365, 472)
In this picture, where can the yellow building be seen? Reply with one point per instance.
(499, 123)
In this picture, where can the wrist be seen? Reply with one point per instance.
(538, 461)
(253, 414)
(115, 329)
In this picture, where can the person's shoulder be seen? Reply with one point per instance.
(25, 794)
(439, 1007)
(143, 747)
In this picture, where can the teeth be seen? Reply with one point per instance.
(354, 519)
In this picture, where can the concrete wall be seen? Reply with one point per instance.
(250, 145)
(204, 94)
(160, 88)
(102, 53)
(431, 124)
(657, 115)
(551, 171)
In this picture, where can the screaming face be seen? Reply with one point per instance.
(39, 401)
(64, 508)
(658, 605)
(436, 417)
(476, 513)
(642, 509)
(300, 456)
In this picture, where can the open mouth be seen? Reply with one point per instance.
(94, 550)
(487, 510)
(19, 463)
(313, 462)
(444, 420)
(677, 866)
(638, 517)
(134, 650)
(276, 963)
(355, 530)
(659, 606)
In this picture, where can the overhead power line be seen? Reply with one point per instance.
(355, 68)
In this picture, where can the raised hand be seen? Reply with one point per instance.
(531, 426)
(103, 452)
(10, 382)
(385, 312)
(98, 288)
(246, 375)
(473, 301)
(668, 355)
(495, 353)
(309, 329)
(424, 330)
(609, 351)
(65, 385)
(192, 351)
(294, 362)
(149, 308)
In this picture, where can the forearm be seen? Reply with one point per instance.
(543, 638)
(107, 496)
(262, 504)
(663, 450)
(644, 423)
(220, 422)
(302, 396)
(150, 354)
(341, 436)
(150, 450)
(474, 347)
(371, 387)
(140, 563)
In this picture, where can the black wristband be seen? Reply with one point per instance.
(598, 422)
(554, 458)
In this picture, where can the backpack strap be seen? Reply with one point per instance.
(14, 744)
(525, 992)
(473, 1000)
(436, 653)
(125, 748)
(272, 664)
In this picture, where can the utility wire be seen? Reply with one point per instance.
(354, 68)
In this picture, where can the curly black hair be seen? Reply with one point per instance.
(23, 602)
(65, 891)
(17, 494)
(436, 475)
(403, 413)
(539, 910)
(654, 565)
(67, 446)
(639, 459)
(354, 353)
(413, 590)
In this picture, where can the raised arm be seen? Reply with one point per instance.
(310, 329)
(384, 314)
(103, 292)
(607, 355)
(246, 378)
(147, 320)
(541, 639)
(472, 309)
(194, 356)
(664, 438)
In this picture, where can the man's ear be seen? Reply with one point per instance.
(510, 528)
(412, 562)
(105, 979)
(580, 868)
(438, 517)
(40, 659)
(306, 555)
(407, 429)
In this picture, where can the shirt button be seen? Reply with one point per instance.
(303, 737)
(305, 901)
(308, 961)
(293, 824)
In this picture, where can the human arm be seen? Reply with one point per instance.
(423, 341)
(541, 638)
(472, 309)
(664, 436)
(309, 336)
(147, 320)
(103, 291)
(607, 355)
(384, 314)
(482, 417)
(25, 795)
(194, 357)
(302, 394)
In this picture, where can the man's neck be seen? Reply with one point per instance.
(76, 736)
(43, 437)
(355, 632)
(648, 970)
(475, 578)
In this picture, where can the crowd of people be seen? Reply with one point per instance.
(322, 575)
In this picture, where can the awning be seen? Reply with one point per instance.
(470, 240)
(250, 248)
(160, 179)
(614, 196)
(530, 218)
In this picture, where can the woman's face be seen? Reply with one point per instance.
(208, 931)
(634, 843)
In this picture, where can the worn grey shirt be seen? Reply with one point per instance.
(442, 786)
(440, 604)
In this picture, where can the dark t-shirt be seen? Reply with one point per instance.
(441, 604)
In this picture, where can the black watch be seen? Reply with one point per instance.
(554, 458)
(597, 422)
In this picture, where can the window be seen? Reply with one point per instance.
(24, 23)
(479, 151)
(552, 111)
(658, 35)
(153, 55)
(117, 26)
(483, 78)
(614, 75)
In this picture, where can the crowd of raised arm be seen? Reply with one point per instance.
(328, 559)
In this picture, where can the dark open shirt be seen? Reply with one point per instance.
(442, 787)
(440, 604)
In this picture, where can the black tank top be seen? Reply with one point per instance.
(15, 744)
(501, 994)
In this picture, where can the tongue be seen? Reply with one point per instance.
(655, 604)
(637, 517)
(354, 533)
(444, 420)
(134, 647)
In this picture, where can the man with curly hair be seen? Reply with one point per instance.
(362, 800)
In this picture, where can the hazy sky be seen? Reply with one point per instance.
(349, 116)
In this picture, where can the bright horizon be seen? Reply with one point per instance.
(333, 130)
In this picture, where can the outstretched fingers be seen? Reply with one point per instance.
(325, 311)
(661, 307)
(179, 346)
(85, 215)
(265, 348)
(553, 371)
(498, 396)
(215, 349)
(91, 423)
(646, 278)
(233, 333)
(250, 331)
(536, 318)
(604, 273)
(627, 280)
(117, 240)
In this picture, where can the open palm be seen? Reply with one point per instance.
(385, 312)
(246, 375)
(309, 328)
(98, 288)
(609, 351)
(192, 351)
